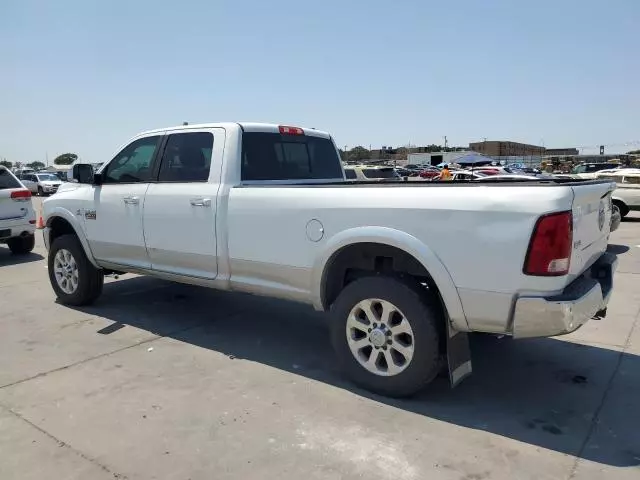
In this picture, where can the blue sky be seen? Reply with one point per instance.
(84, 76)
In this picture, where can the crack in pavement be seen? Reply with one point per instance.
(61, 443)
(106, 354)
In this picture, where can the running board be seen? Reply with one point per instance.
(458, 356)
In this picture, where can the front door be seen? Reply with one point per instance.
(180, 208)
(113, 213)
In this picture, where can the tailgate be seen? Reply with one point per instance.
(591, 224)
(9, 208)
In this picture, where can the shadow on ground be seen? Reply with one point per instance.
(7, 258)
(544, 392)
(617, 249)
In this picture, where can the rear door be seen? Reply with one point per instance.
(591, 224)
(180, 207)
(10, 209)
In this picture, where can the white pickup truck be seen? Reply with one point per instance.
(405, 269)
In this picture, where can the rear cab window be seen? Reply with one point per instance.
(276, 156)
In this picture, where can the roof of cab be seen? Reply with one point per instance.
(246, 126)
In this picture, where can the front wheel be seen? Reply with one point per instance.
(40, 192)
(74, 279)
(624, 210)
(386, 335)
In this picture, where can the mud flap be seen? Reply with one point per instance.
(458, 356)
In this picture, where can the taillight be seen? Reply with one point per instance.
(549, 251)
(285, 130)
(20, 195)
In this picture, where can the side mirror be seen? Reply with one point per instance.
(82, 173)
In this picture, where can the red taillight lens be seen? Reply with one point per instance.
(20, 195)
(550, 246)
(285, 130)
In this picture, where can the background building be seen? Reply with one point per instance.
(561, 151)
(500, 148)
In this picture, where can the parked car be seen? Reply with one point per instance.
(17, 216)
(463, 175)
(371, 173)
(429, 172)
(389, 261)
(41, 183)
(404, 172)
(627, 193)
(589, 170)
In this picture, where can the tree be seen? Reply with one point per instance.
(65, 159)
(358, 153)
(36, 165)
(633, 152)
(6, 163)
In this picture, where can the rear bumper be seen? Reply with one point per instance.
(16, 228)
(582, 300)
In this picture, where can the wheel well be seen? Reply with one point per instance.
(621, 205)
(364, 259)
(58, 226)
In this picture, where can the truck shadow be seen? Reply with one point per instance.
(7, 258)
(544, 392)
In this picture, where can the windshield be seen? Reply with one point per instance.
(47, 177)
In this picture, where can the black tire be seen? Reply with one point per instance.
(624, 210)
(22, 245)
(90, 278)
(40, 192)
(425, 318)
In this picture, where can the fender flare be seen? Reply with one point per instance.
(73, 221)
(403, 241)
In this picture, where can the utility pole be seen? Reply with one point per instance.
(445, 143)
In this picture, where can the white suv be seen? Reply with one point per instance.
(17, 217)
(41, 183)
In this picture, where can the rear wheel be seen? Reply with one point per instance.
(22, 245)
(74, 279)
(386, 336)
(40, 192)
(624, 210)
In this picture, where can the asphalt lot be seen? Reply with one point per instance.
(165, 381)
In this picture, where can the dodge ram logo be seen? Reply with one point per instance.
(601, 216)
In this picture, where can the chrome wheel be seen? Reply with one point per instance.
(380, 337)
(65, 269)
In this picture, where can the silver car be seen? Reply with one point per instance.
(41, 183)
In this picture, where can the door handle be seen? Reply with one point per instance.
(200, 202)
(131, 200)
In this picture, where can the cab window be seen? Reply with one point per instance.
(187, 157)
(133, 163)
